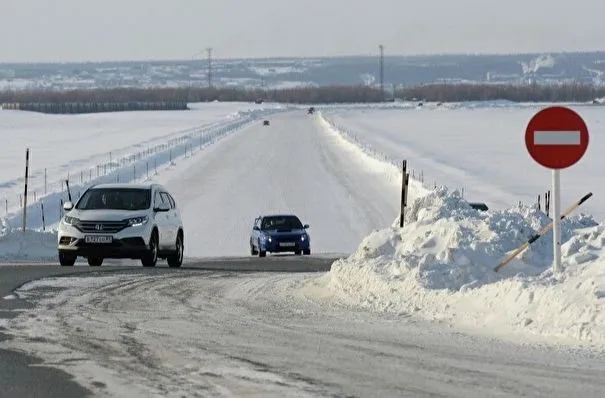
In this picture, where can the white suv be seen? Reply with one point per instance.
(138, 221)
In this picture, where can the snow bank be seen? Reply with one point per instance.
(441, 266)
(372, 158)
(30, 246)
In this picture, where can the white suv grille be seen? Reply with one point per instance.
(101, 227)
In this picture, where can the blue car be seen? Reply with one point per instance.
(279, 234)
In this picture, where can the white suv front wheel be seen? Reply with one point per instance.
(150, 258)
(67, 259)
(176, 259)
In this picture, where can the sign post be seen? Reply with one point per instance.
(556, 138)
(556, 217)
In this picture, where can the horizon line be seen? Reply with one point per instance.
(293, 58)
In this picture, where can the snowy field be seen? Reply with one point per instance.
(345, 182)
(478, 149)
(94, 148)
(70, 144)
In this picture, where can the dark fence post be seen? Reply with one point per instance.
(404, 192)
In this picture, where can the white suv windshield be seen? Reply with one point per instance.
(115, 199)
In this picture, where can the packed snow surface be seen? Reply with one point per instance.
(27, 246)
(441, 266)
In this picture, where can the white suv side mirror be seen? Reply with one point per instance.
(67, 206)
(161, 207)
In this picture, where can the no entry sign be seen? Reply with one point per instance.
(556, 137)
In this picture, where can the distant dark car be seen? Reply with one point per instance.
(258, 101)
(279, 234)
(265, 123)
(479, 206)
(311, 110)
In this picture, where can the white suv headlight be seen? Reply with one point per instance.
(137, 221)
(70, 220)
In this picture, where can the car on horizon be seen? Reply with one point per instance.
(266, 123)
(279, 233)
(136, 221)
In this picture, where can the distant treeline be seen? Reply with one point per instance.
(174, 98)
(94, 107)
(305, 95)
(568, 92)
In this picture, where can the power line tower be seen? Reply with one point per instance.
(381, 47)
(209, 51)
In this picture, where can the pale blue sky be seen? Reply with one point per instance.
(88, 30)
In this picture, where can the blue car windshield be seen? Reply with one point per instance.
(281, 222)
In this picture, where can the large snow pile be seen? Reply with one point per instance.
(441, 266)
(29, 245)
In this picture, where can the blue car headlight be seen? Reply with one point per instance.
(266, 238)
(304, 237)
(137, 221)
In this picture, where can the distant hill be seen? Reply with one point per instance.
(399, 72)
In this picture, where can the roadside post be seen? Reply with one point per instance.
(404, 192)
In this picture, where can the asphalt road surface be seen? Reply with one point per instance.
(209, 328)
(18, 378)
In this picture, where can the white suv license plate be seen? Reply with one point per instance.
(98, 239)
(287, 244)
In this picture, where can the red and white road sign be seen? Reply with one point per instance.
(556, 137)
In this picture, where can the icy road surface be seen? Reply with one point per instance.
(295, 165)
(224, 334)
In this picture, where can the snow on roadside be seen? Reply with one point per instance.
(28, 245)
(440, 266)
(39, 241)
(136, 168)
(371, 158)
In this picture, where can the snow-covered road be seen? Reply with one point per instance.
(295, 165)
(195, 334)
(182, 332)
